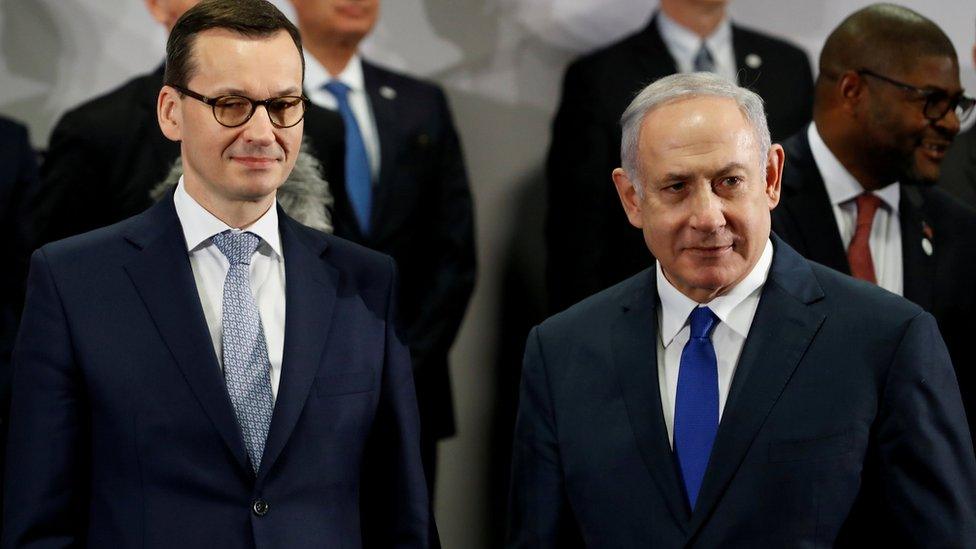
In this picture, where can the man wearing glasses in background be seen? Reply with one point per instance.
(210, 373)
(857, 186)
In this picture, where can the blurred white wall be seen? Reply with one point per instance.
(501, 62)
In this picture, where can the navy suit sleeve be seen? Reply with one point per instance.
(46, 492)
(452, 234)
(394, 505)
(927, 474)
(539, 514)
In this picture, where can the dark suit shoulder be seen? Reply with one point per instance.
(592, 313)
(862, 301)
(763, 42)
(102, 112)
(402, 82)
(11, 131)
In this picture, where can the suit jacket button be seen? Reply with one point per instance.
(260, 507)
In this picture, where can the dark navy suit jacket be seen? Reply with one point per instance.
(843, 427)
(122, 433)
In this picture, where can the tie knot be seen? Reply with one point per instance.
(339, 90)
(702, 322)
(867, 205)
(703, 59)
(237, 247)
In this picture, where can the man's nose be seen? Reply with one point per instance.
(949, 123)
(259, 129)
(707, 213)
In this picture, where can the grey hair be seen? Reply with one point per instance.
(678, 87)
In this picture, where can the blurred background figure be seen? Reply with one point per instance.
(106, 154)
(405, 193)
(857, 187)
(18, 178)
(958, 176)
(589, 243)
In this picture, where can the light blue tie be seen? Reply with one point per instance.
(359, 180)
(247, 370)
(703, 60)
(696, 403)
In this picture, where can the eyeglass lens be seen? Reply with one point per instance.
(232, 110)
(938, 104)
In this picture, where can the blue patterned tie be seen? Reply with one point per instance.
(703, 60)
(247, 370)
(696, 402)
(359, 180)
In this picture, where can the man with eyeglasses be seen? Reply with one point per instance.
(857, 193)
(107, 154)
(210, 373)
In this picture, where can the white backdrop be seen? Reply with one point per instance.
(501, 62)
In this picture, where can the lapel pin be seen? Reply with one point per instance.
(388, 92)
(927, 246)
(753, 61)
(927, 237)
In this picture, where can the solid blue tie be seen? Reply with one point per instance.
(359, 180)
(696, 402)
(247, 369)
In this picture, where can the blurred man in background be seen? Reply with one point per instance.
(589, 243)
(857, 187)
(406, 191)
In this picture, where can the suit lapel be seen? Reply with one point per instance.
(634, 347)
(384, 112)
(163, 277)
(919, 267)
(768, 360)
(810, 207)
(310, 293)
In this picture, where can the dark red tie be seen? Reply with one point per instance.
(859, 252)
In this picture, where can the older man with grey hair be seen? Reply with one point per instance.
(734, 394)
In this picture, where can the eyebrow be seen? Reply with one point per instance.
(681, 176)
(237, 91)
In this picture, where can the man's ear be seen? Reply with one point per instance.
(774, 173)
(169, 112)
(631, 201)
(851, 90)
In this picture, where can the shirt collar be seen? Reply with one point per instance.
(317, 76)
(684, 43)
(841, 186)
(199, 225)
(729, 308)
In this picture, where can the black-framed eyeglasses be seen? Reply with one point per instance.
(235, 110)
(937, 102)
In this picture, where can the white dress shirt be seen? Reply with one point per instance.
(210, 268)
(735, 311)
(683, 44)
(843, 190)
(316, 76)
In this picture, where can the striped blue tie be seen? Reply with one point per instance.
(247, 370)
(696, 402)
(359, 180)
